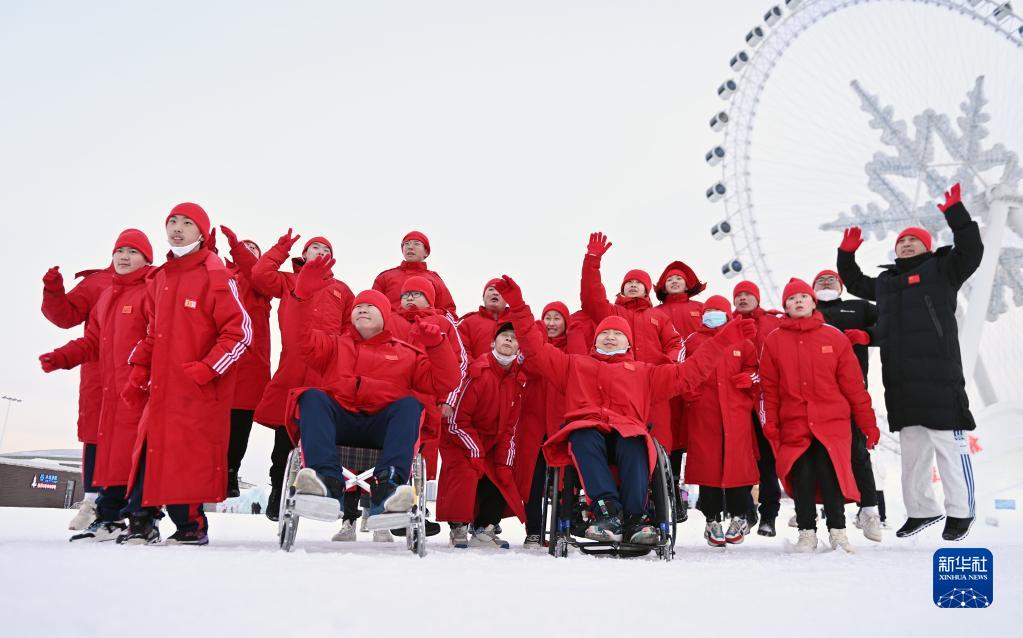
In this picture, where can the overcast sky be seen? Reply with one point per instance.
(505, 131)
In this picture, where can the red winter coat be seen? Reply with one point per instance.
(331, 312)
(477, 330)
(367, 375)
(117, 323)
(580, 330)
(812, 386)
(194, 313)
(609, 393)
(253, 372)
(390, 282)
(686, 314)
(67, 311)
(483, 426)
(767, 322)
(656, 340)
(722, 448)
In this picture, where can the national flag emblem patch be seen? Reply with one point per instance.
(190, 303)
(694, 313)
(629, 366)
(126, 310)
(914, 279)
(337, 293)
(736, 353)
(826, 350)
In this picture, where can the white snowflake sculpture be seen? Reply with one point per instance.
(915, 161)
(962, 598)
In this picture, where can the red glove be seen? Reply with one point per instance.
(53, 361)
(53, 280)
(743, 380)
(211, 242)
(426, 334)
(873, 436)
(598, 245)
(858, 337)
(952, 197)
(287, 241)
(771, 434)
(232, 239)
(139, 377)
(852, 239)
(510, 291)
(134, 397)
(736, 330)
(314, 276)
(199, 372)
(478, 464)
(505, 475)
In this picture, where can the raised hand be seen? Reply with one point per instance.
(426, 334)
(510, 291)
(858, 337)
(314, 276)
(598, 245)
(53, 280)
(852, 239)
(232, 238)
(952, 197)
(286, 241)
(736, 330)
(199, 372)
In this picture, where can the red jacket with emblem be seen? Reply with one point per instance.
(67, 310)
(331, 312)
(117, 323)
(253, 371)
(390, 282)
(813, 386)
(722, 447)
(194, 313)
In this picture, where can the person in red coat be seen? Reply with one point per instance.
(253, 372)
(197, 331)
(722, 450)
(415, 248)
(478, 447)
(367, 397)
(746, 298)
(331, 312)
(116, 324)
(608, 398)
(477, 328)
(656, 340)
(812, 387)
(67, 310)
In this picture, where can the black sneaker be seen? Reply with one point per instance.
(607, 525)
(766, 527)
(916, 525)
(232, 484)
(638, 530)
(956, 529)
(273, 504)
(143, 529)
(681, 510)
(100, 531)
(432, 529)
(389, 493)
(193, 537)
(752, 517)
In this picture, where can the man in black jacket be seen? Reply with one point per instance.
(856, 318)
(921, 367)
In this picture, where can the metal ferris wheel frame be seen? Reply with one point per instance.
(766, 44)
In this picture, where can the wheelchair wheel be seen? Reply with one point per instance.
(415, 537)
(287, 522)
(664, 505)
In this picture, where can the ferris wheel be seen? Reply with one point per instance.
(863, 112)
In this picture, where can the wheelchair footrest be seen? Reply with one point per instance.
(389, 520)
(320, 508)
(624, 550)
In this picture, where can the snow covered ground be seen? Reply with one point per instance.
(242, 585)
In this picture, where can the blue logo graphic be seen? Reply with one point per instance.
(964, 578)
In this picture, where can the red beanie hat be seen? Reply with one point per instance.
(614, 322)
(717, 302)
(746, 286)
(375, 298)
(642, 277)
(415, 234)
(318, 240)
(829, 273)
(492, 282)
(919, 233)
(195, 213)
(134, 238)
(557, 307)
(796, 286)
(423, 285)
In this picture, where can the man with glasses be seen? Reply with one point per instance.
(415, 248)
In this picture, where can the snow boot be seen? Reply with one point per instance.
(715, 537)
(807, 543)
(273, 503)
(639, 531)
(232, 483)
(458, 537)
(382, 536)
(389, 494)
(86, 514)
(793, 522)
(869, 521)
(191, 537)
(767, 528)
(607, 524)
(839, 538)
(100, 531)
(143, 529)
(346, 534)
(916, 525)
(532, 542)
(956, 529)
(487, 537)
(738, 528)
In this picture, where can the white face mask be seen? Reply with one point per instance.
(610, 353)
(504, 359)
(181, 251)
(827, 295)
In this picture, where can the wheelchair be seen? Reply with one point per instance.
(295, 506)
(565, 517)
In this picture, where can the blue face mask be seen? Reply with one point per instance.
(714, 318)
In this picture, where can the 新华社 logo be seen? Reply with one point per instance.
(964, 578)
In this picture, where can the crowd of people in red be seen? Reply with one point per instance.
(175, 368)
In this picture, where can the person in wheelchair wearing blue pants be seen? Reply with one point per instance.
(368, 398)
(607, 407)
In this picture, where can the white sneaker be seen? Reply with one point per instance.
(100, 531)
(84, 517)
(346, 534)
(712, 532)
(459, 537)
(382, 536)
(307, 482)
(363, 520)
(840, 539)
(487, 537)
(532, 542)
(870, 523)
(807, 543)
(738, 528)
(793, 522)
